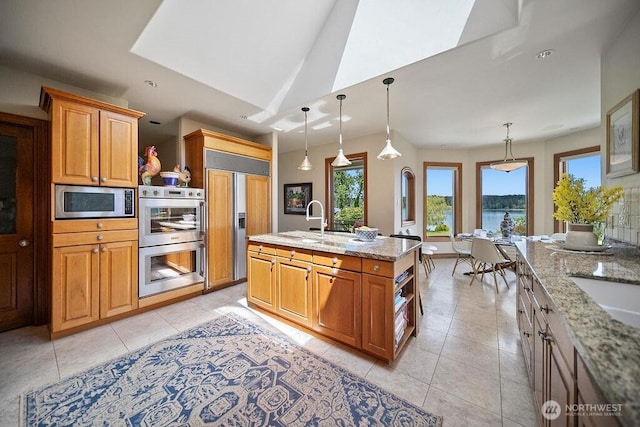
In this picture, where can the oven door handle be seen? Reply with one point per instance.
(202, 218)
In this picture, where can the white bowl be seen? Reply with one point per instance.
(368, 235)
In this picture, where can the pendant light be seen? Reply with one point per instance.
(306, 164)
(340, 159)
(388, 152)
(508, 165)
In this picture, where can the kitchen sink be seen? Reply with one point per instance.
(620, 300)
(305, 240)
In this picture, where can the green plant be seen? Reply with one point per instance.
(578, 205)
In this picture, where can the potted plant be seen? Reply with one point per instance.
(582, 208)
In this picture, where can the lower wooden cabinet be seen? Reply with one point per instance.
(93, 281)
(337, 300)
(334, 296)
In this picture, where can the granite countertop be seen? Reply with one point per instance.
(383, 248)
(609, 348)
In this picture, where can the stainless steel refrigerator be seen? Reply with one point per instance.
(239, 228)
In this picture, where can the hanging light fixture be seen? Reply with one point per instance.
(340, 159)
(388, 152)
(306, 164)
(508, 165)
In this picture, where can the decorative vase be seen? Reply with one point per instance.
(581, 235)
(506, 226)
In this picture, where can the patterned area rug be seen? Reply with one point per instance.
(226, 372)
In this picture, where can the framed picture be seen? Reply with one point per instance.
(296, 198)
(622, 137)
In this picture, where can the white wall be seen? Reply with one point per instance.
(620, 70)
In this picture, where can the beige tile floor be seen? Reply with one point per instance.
(466, 363)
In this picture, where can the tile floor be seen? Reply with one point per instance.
(466, 364)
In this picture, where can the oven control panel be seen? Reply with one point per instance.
(160, 192)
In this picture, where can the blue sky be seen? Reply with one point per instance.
(501, 183)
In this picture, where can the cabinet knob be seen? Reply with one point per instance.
(103, 179)
(521, 311)
(376, 268)
(94, 178)
(94, 250)
(334, 261)
(526, 334)
(24, 243)
(99, 225)
(104, 249)
(100, 237)
(292, 253)
(546, 309)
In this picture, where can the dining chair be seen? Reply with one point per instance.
(427, 253)
(486, 257)
(463, 253)
(417, 239)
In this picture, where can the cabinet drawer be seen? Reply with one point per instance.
(84, 225)
(72, 239)
(261, 248)
(294, 254)
(344, 262)
(377, 267)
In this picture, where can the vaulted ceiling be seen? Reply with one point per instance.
(462, 67)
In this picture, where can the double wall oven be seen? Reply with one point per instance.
(171, 238)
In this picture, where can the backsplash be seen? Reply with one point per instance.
(624, 222)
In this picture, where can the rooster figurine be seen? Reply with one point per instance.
(152, 167)
(184, 177)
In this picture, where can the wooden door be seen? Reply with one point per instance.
(219, 228)
(74, 143)
(377, 315)
(258, 205)
(261, 280)
(76, 285)
(118, 278)
(16, 227)
(293, 290)
(118, 150)
(560, 382)
(337, 304)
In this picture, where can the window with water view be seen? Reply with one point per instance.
(442, 195)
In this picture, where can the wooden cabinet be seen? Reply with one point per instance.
(258, 205)
(219, 228)
(92, 143)
(555, 368)
(337, 301)
(367, 304)
(95, 276)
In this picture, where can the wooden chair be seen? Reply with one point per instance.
(486, 257)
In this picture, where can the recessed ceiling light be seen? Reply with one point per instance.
(154, 122)
(151, 83)
(544, 53)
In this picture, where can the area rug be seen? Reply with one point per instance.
(227, 372)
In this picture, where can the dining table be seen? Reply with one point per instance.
(501, 243)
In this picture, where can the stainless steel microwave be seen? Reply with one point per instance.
(77, 201)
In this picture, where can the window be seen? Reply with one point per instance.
(408, 194)
(346, 193)
(442, 200)
(583, 163)
(498, 192)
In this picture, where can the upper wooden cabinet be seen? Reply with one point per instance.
(92, 142)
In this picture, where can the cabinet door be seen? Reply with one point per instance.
(539, 362)
(261, 280)
(337, 304)
(377, 315)
(74, 143)
(118, 150)
(118, 278)
(258, 205)
(75, 299)
(293, 290)
(560, 383)
(219, 228)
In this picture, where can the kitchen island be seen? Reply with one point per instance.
(576, 353)
(363, 294)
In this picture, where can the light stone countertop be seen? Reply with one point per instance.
(609, 348)
(383, 248)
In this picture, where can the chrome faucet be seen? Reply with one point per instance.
(321, 217)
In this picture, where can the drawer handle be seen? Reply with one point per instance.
(546, 309)
(376, 267)
(521, 311)
(526, 334)
(100, 237)
(526, 288)
(292, 253)
(334, 261)
(259, 247)
(99, 225)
